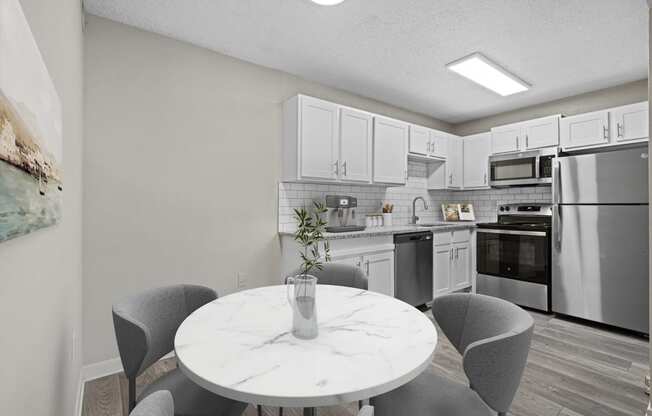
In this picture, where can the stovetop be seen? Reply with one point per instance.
(535, 217)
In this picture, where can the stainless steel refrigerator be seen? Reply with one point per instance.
(600, 237)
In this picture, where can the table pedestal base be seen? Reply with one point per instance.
(309, 411)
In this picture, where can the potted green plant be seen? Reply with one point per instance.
(310, 237)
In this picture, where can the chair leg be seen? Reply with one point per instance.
(280, 411)
(260, 410)
(132, 393)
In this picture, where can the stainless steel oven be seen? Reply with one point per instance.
(524, 168)
(513, 255)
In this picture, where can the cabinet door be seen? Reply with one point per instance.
(439, 144)
(461, 275)
(390, 151)
(506, 139)
(442, 270)
(542, 132)
(355, 261)
(584, 130)
(318, 139)
(477, 149)
(355, 145)
(380, 272)
(630, 122)
(455, 162)
(420, 140)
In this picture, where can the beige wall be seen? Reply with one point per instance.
(181, 164)
(610, 97)
(40, 274)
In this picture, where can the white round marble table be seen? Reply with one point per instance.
(240, 346)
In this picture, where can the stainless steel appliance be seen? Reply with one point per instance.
(600, 244)
(341, 212)
(513, 255)
(413, 267)
(525, 168)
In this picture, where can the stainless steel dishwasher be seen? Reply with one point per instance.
(413, 267)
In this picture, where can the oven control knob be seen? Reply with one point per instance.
(502, 208)
(506, 208)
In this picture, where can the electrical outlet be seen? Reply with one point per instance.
(241, 281)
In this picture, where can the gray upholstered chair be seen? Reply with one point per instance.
(493, 337)
(339, 275)
(366, 411)
(159, 403)
(145, 326)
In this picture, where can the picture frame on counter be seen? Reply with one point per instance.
(458, 212)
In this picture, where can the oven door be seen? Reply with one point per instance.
(515, 254)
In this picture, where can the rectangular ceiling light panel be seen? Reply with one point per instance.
(481, 70)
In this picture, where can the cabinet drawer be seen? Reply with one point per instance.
(461, 236)
(442, 238)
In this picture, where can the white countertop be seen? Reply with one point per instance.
(397, 229)
(241, 346)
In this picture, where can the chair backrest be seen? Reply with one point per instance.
(493, 336)
(339, 275)
(145, 324)
(159, 403)
(366, 411)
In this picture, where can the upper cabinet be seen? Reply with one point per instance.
(390, 151)
(630, 122)
(527, 135)
(455, 163)
(427, 142)
(585, 130)
(477, 149)
(620, 125)
(356, 135)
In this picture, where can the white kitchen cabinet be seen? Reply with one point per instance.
(461, 265)
(505, 139)
(380, 272)
(542, 132)
(311, 140)
(420, 142)
(356, 134)
(476, 150)
(584, 130)
(390, 151)
(455, 162)
(630, 122)
(442, 270)
(377, 266)
(439, 142)
(452, 257)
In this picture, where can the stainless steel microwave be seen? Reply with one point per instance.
(523, 168)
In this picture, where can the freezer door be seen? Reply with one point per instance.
(600, 264)
(615, 177)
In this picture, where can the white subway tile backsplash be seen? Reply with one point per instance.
(371, 198)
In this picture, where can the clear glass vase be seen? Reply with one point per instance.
(301, 293)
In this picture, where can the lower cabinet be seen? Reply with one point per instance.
(452, 269)
(377, 266)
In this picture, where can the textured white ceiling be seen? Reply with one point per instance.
(396, 50)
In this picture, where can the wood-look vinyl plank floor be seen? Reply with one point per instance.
(573, 369)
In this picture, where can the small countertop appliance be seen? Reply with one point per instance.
(341, 214)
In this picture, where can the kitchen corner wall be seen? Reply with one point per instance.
(41, 273)
(371, 198)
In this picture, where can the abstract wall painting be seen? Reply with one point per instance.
(31, 147)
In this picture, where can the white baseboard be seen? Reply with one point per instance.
(106, 368)
(101, 369)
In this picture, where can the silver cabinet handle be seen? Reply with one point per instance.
(344, 167)
(337, 167)
(517, 142)
(457, 253)
(451, 254)
(527, 141)
(367, 266)
(485, 178)
(359, 264)
(621, 130)
(450, 179)
(605, 132)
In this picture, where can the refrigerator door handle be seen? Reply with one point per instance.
(556, 181)
(557, 221)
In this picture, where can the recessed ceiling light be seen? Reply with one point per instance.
(479, 69)
(327, 2)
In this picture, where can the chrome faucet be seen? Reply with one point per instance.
(414, 202)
